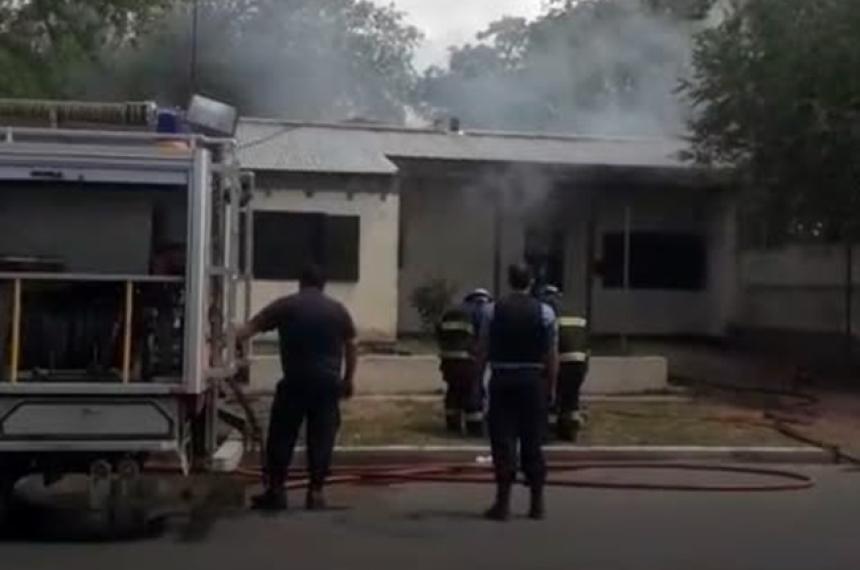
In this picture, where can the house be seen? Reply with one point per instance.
(638, 239)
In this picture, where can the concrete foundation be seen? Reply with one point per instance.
(385, 374)
(626, 374)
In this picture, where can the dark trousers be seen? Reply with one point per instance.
(5, 326)
(465, 391)
(518, 414)
(570, 379)
(299, 399)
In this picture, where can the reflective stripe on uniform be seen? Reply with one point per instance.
(457, 326)
(573, 357)
(578, 322)
(455, 355)
(574, 417)
(475, 417)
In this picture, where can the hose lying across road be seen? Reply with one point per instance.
(781, 480)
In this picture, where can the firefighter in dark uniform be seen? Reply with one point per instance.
(5, 326)
(316, 335)
(457, 334)
(519, 340)
(573, 356)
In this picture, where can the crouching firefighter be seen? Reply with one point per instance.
(457, 334)
(573, 356)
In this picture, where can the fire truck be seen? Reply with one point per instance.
(124, 231)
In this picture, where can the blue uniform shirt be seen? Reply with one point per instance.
(478, 312)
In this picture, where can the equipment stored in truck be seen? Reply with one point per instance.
(120, 231)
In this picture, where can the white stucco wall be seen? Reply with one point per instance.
(797, 288)
(373, 299)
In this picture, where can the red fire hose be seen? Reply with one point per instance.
(783, 419)
(478, 474)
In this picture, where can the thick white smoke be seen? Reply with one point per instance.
(612, 74)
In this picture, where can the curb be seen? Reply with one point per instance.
(438, 396)
(409, 454)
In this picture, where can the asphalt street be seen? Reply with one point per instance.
(437, 526)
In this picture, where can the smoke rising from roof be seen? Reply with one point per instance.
(609, 67)
(296, 59)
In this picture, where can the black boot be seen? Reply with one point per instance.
(454, 422)
(565, 430)
(501, 509)
(537, 511)
(271, 500)
(315, 500)
(475, 428)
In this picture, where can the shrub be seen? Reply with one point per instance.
(431, 300)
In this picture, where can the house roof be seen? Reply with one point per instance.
(372, 149)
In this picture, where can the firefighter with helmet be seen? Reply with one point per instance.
(457, 335)
(573, 356)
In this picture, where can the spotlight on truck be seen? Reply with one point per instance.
(212, 117)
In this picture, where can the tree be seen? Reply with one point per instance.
(777, 97)
(46, 44)
(300, 59)
(592, 66)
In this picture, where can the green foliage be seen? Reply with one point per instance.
(431, 300)
(683, 9)
(46, 45)
(302, 59)
(307, 59)
(777, 97)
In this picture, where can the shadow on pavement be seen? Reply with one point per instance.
(444, 515)
(184, 508)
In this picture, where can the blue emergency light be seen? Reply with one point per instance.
(168, 122)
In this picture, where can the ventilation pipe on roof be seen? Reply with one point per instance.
(447, 124)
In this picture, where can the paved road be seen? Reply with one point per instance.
(435, 527)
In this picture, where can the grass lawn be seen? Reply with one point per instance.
(370, 421)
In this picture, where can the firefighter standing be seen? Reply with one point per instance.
(573, 355)
(519, 340)
(318, 356)
(457, 334)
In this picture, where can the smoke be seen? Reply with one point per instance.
(522, 192)
(602, 67)
(296, 59)
(610, 67)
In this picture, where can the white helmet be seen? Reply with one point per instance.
(550, 291)
(479, 293)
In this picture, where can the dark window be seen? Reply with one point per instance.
(401, 241)
(657, 261)
(286, 242)
(243, 243)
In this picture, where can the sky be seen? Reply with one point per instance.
(454, 22)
